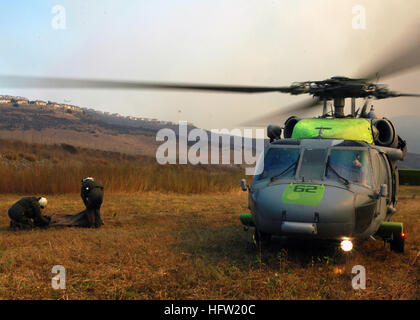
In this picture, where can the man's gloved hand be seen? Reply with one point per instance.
(43, 222)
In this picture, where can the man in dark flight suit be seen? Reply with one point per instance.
(92, 195)
(26, 213)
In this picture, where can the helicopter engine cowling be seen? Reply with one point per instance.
(289, 125)
(387, 134)
(273, 132)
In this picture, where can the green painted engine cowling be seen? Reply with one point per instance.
(356, 129)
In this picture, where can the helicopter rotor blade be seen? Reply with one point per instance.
(62, 83)
(407, 95)
(403, 60)
(281, 115)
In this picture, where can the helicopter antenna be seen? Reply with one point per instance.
(363, 113)
(324, 109)
(353, 107)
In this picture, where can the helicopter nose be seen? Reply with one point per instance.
(327, 212)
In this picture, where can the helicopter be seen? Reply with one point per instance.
(333, 177)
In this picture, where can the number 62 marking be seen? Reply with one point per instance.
(308, 189)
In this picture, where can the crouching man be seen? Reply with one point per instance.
(92, 194)
(26, 213)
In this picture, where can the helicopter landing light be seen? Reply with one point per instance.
(346, 245)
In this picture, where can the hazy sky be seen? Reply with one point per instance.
(249, 42)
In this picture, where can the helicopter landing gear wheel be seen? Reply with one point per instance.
(261, 238)
(397, 243)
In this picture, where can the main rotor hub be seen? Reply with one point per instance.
(341, 87)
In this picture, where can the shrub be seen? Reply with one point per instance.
(29, 157)
(10, 155)
(410, 177)
(69, 148)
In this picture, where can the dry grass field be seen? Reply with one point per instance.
(27, 168)
(174, 246)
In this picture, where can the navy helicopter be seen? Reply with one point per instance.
(332, 177)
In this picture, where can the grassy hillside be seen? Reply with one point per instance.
(30, 123)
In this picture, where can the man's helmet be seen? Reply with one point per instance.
(87, 179)
(42, 202)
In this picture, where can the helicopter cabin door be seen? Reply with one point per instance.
(382, 175)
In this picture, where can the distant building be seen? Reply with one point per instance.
(40, 103)
(22, 101)
(53, 105)
(5, 100)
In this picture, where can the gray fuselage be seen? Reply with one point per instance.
(323, 189)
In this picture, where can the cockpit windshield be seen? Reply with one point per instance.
(339, 164)
(280, 162)
(351, 165)
(313, 164)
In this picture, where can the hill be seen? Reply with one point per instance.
(32, 123)
(411, 161)
(53, 123)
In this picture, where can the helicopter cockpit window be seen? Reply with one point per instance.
(352, 165)
(313, 164)
(280, 162)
